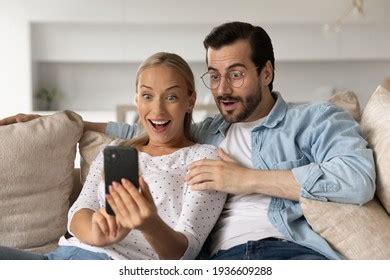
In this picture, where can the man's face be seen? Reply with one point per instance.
(236, 104)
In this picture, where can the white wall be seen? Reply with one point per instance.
(15, 58)
(118, 42)
(293, 25)
(313, 81)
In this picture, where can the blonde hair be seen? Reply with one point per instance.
(178, 64)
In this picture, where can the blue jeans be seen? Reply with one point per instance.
(61, 253)
(268, 249)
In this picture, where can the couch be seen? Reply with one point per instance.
(39, 182)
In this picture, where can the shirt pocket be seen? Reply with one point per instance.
(288, 165)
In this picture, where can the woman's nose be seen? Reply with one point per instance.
(158, 106)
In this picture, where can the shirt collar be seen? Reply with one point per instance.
(222, 127)
(278, 111)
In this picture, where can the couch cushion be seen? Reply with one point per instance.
(90, 145)
(357, 232)
(376, 128)
(37, 160)
(349, 102)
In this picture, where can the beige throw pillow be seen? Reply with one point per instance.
(90, 145)
(357, 232)
(37, 160)
(376, 128)
(349, 102)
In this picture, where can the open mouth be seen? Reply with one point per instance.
(229, 104)
(159, 125)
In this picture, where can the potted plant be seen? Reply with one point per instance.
(47, 99)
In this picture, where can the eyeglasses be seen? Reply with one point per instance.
(235, 78)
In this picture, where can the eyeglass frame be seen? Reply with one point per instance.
(226, 76)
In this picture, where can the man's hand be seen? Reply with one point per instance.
(224, 175)
(18, 118)
(228, 176)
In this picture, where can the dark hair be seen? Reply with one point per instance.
(230, 32)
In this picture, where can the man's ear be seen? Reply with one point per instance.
(268, 71)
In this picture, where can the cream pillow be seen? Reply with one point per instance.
(376, 128)
(36, 165)
(90, 145)
(357, 232)
(349, 102)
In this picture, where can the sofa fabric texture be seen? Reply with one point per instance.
(90, 145)
(376, 128)
(36, 166)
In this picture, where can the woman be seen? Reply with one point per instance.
(165, 219)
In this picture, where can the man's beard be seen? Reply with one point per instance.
(249, 104)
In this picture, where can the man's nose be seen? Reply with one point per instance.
(224, 87)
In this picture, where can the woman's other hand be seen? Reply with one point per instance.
(106, 230)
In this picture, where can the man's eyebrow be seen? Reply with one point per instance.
(236, 64)
(211, 68)
(229, 67)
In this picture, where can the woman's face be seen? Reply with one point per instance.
(163, 101)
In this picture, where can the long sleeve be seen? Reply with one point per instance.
(121, 130)
(342, 168)
(92, 195)
(200, 210)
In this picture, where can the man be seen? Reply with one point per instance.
(273, 153)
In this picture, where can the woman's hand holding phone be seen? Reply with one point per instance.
(106, 229)
(133, 209)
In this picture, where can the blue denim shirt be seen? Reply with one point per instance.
(320, 143)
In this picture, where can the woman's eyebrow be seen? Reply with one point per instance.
(175, 86)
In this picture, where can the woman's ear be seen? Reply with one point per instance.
(136, 99)
(192, 101)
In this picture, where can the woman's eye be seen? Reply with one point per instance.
(146, 96)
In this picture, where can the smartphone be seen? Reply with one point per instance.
(119, 162)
